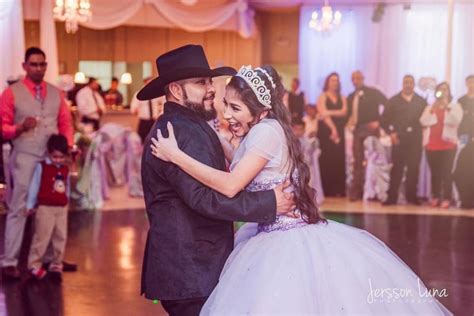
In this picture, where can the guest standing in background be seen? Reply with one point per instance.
(48, 197)
(332, 108)
(464, 173)
(113, 96)
(148, 111)
(364, 106)
(90, 104)
(401, 120)
(296, 100)
(441, 121)
(31, 111)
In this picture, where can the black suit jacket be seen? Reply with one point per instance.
(191, 226)
(403, 117)
(369, 103)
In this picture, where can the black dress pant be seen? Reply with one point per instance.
(441, 165)
(188, 307)
(464, 176)
(406, 154)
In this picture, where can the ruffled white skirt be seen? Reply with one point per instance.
(332, 269)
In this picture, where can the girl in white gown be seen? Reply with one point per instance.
(301, 264)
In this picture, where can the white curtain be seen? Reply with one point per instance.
(48, 40)
(343, 50)
(12, 38)
(201, 20)
(200, 17)
(463, 47)
(404, 42)
(234, 15)
(110, 14)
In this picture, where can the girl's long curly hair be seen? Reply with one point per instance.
(305, 195)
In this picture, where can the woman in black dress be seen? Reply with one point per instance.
(332, 107)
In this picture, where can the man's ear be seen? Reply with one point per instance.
(176, 91)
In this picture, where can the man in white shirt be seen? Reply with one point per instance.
(90, 104)
(148, 111)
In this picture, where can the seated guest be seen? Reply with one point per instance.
(441, 121)
(90, 104)
(148, 112)
(401, 120)
(464, 173)
(113, 96)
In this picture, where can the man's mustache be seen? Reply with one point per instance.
(211, 97)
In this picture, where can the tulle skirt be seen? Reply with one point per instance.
(323, 269)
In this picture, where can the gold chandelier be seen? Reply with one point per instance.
(327, 21)
(72, 12)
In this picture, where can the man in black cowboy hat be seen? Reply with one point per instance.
(191, 226)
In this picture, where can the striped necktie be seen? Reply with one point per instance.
(38, 96)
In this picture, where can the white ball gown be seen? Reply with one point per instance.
(290, 267)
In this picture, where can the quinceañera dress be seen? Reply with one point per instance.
(290, 267)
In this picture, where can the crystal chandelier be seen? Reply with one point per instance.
(72, 12)
(327, 21)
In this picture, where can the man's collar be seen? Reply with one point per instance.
(173, 107)
(29, 83)
(407, 98)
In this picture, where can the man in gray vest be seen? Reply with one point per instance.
(31, 110)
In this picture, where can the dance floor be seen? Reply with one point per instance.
(108, 247)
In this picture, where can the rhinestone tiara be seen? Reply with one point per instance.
(257, 84)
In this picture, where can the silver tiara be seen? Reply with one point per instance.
(268, 76)
(257, 84)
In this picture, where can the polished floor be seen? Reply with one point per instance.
(108, 247)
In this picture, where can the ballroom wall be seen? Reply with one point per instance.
(137, 44)
(279, 31)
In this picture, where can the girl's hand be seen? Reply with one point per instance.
(165, 148)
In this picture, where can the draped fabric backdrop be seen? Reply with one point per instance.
(107, 14)
(12, 38)
(236, 15)
(112, 14)
(403, 42)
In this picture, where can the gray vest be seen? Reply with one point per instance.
(34, 141)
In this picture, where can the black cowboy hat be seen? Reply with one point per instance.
(181, 63)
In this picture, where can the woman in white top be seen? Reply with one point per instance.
(441, 121)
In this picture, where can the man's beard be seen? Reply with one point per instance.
(200, 109)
